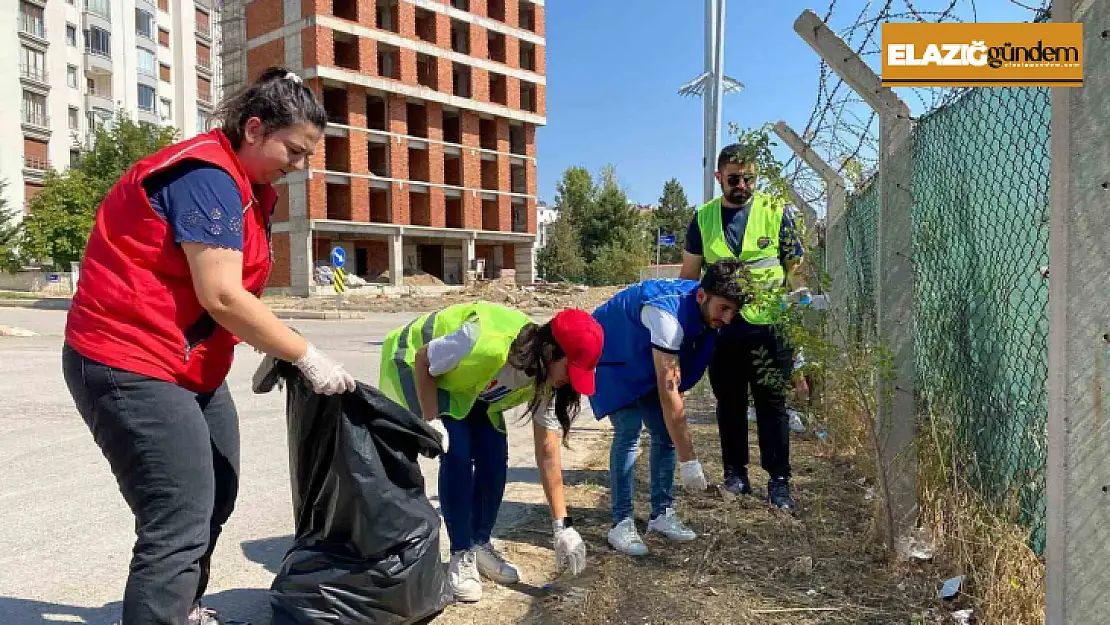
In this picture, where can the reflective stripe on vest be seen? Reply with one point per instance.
(764, 225)
(458, 389)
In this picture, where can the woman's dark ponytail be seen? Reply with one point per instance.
(279, 98)
(532, 351)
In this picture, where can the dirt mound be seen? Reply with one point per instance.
(539, 298)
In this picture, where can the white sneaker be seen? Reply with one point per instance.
(669, 526)
(493, 565)
(625, 539)
(462, 576)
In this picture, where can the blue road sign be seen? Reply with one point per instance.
(666, 240)
(338, 256)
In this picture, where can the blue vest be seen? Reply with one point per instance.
(627, 370)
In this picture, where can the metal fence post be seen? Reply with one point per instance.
(836, 196)
(1078, 471)
(896, 394)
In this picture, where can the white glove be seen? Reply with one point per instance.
(437, 425)
(570, 551)
(327, 376)
(693, 478)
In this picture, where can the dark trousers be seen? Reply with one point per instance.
(755, 358)
(472, 476)
(175, 455)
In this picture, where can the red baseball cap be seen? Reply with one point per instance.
(581, 338)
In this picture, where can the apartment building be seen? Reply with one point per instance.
(81, 60)
(429, 159)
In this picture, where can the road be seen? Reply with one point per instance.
(65, 532)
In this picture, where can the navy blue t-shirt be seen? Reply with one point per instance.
(200, 202)
(735, 221)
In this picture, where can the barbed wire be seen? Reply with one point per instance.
(841, 127)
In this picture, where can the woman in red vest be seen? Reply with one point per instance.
(170, 282)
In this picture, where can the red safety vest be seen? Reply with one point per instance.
(135, 307)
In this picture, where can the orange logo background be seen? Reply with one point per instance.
(982, 54)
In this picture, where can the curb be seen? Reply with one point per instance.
(59, 303)
(331, 315)
(45, 303)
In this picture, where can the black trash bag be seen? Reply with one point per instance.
(366, 549)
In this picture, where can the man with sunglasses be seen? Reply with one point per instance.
(760, 230)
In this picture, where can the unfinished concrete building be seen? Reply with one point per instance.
(429, 159)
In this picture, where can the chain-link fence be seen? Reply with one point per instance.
(861, 244)
(980, 214)
(980, 188)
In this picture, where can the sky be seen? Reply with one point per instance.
(614, 68)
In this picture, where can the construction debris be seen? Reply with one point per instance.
(429, 293)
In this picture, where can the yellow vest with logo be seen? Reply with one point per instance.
(759, 251)
(458, 389)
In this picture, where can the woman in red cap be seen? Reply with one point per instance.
(461, 368)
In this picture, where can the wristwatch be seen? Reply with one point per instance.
(563, 523)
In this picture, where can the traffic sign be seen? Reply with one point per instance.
(339, 279)
(666, 240)
(338, 256)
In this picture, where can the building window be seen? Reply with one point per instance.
(164, 5)
(462, 5)
(74, 118)
(146, 98)
(32, 64)
(103, 8)
(34, 109)
(71, 35)
(147, 64)
(144, 24)
(202, 121)
(31, 20)
(164, 37)
(98, 41)
(71, 76)
(74, 158)
(164, 72)
(167, 108)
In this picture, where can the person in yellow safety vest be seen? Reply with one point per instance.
(461, 368)
(759, 229)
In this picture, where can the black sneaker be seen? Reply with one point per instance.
(778, 493)
(738, 484)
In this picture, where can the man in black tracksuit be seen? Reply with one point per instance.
(748, 355)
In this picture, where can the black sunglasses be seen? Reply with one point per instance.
(734, 179)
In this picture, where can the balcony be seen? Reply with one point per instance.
(99, 100)
(204, 66)
(204, 98)
(36, 76)
(204, 31)
(98, 62)
(35, 164)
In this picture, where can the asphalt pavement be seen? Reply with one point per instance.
(65, 531)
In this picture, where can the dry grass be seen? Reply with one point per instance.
(978, 539)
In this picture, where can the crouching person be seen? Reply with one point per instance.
(461, 368)
(660, 335)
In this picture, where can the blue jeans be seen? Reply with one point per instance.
(472, 478)
(627, 423)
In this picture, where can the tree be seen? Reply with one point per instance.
(672, 216)
(62, 214)
(118, 145)
(10, 227)
(575, 194)
(561, 259)
(60, 219)
(613, 217)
